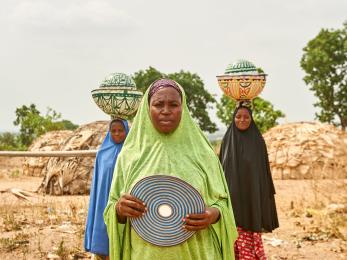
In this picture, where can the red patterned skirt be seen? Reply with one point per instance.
(249, 245)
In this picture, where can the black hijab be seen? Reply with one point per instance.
(245, 162)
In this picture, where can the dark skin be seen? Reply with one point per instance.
(165, 109)
(129, 206)
(243, 119)
(118, 135)
(118, 132)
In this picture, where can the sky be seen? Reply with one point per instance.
(53, 53)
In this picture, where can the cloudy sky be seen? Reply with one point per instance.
(53, 53)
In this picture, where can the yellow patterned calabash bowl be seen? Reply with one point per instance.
(242, 81)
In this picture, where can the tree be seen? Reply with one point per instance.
(144, 79)
(33, 124)
(325, 63)
(10, 142)
(68, 125)
(198, 99)
(264, 114)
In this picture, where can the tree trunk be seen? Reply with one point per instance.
(343, 121)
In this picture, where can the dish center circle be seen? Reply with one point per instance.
(165, 210)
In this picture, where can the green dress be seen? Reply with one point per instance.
(188, 155)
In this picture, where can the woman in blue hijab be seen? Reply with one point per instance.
(96, 238)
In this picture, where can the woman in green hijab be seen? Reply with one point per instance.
(164, 139)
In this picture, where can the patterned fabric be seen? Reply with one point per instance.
(249, 245)
(163, 83)
(187, 154)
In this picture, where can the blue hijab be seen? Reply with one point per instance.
(96, 238)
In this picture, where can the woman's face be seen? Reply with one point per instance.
(242, 119)
(165, 109)
(118, 132)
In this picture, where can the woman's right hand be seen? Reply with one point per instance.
(129, 206)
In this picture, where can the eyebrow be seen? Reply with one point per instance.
(161, 99)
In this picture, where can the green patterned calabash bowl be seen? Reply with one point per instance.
(118, 96)
(117, 102)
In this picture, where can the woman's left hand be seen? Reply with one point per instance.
(194, 222)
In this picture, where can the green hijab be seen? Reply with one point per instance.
(187, 154)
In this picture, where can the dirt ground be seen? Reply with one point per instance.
(312, 214)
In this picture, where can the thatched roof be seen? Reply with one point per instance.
(296, 151)
(50, 141)
(72, 175)
(307, 150)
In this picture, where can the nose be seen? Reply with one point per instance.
(166, 110)
(243, 119)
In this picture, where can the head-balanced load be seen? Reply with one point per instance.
(242, 81)
(118, 96)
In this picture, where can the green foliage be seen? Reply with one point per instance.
(264, 114)
(144, 79)
(10, 142)
(325, 63)
(198, 99)
(33, 124)
(68, 125)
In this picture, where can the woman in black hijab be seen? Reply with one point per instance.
(246, 165)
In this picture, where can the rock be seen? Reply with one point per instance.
(307, 150)
(275, 242)
(52, 256)
(336, 208)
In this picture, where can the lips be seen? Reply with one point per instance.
(165, 122)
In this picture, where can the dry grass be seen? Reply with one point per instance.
(312, 214)
(45, 226)
(313, 220)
